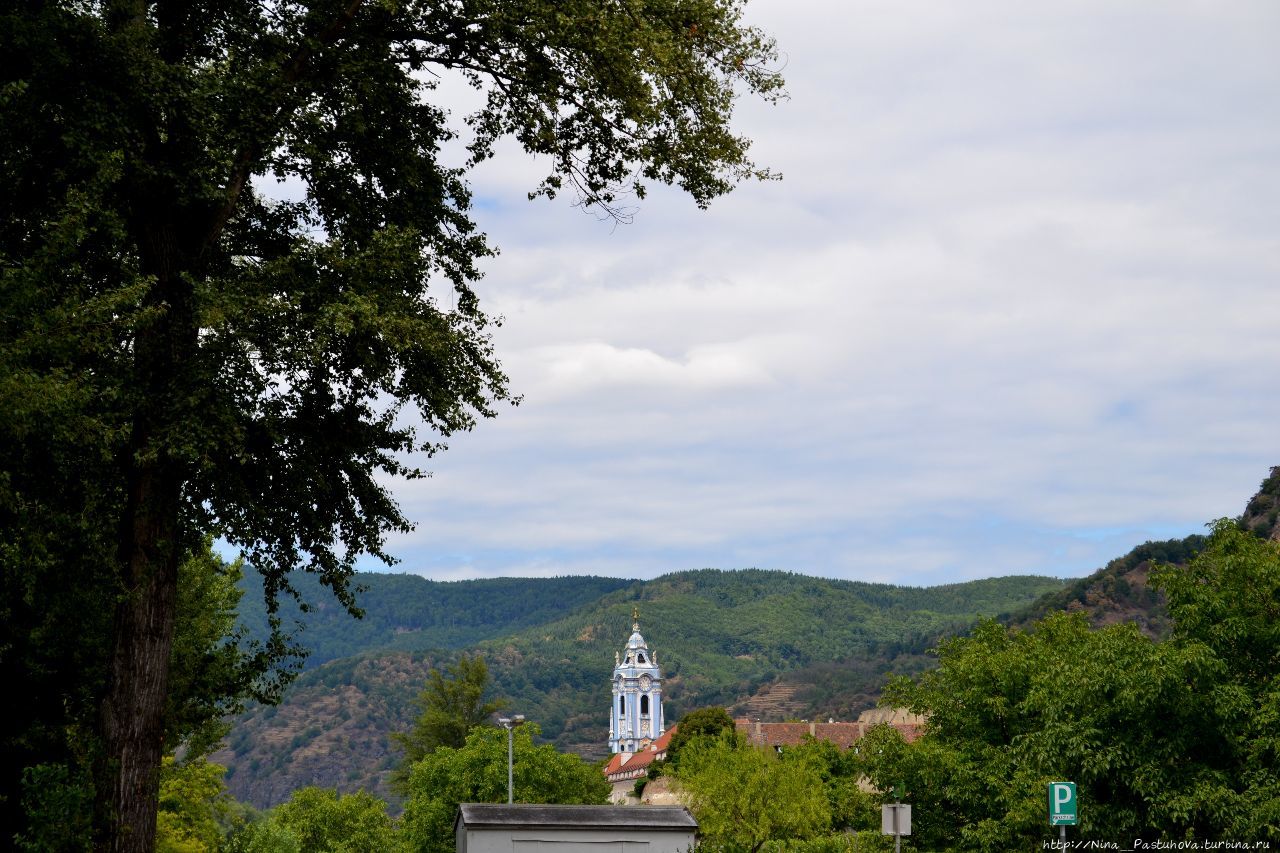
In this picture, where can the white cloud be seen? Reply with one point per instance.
(1011, 310)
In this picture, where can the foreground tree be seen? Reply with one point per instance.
(853, 810)
(1225, 606)
(215, 670)
(1172, 740)
(320, 820)
(180, 354)
(699, 723)
(192, 798)
(477, 773)
(744, 797)
(452, 705)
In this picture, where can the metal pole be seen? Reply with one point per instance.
(897, 826)
(509, 723)
(1062, 835)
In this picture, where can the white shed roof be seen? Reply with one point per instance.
(528, 815)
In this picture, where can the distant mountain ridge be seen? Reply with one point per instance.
(411, 613)
(719, 636)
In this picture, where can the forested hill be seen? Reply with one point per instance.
(720, 636)
(1120, 592)
(414, 614)
(782, 616)
(1262, 515)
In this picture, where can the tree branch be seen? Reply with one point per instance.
(252, 151)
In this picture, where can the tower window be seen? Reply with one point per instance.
(640, 657)
(622, 705)
(644, 705)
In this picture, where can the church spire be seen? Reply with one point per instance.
(635, 719)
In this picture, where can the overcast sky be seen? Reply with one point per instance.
(1013, 309)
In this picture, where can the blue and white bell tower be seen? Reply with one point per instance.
(636, 718)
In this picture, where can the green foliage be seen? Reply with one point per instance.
(325, 821)
(192, 798)
(1226, 610)
(477, 773)
(56, 801)
(1228, 599)
(264, 836)
(320, 820)
(1168, 740)
(700, 723)
(744, 797)
(867, 841)
(451, 707)
(703, 722)
(852, 809)
(215, 669)
(1011, 711)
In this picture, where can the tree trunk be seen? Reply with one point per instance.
(132, 723)
(133, 715)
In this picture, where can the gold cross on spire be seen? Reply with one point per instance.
(635, 618)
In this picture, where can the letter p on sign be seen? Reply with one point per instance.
(1062, 804)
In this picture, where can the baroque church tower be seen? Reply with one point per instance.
(636, 718)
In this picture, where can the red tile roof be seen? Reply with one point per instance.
(842, 735)
(623, 766)
(615, 762)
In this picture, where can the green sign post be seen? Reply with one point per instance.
(1062, 807)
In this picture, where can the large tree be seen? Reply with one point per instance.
(180, 353)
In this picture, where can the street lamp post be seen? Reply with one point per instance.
(509, 723)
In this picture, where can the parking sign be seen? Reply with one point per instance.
(1062, 804)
